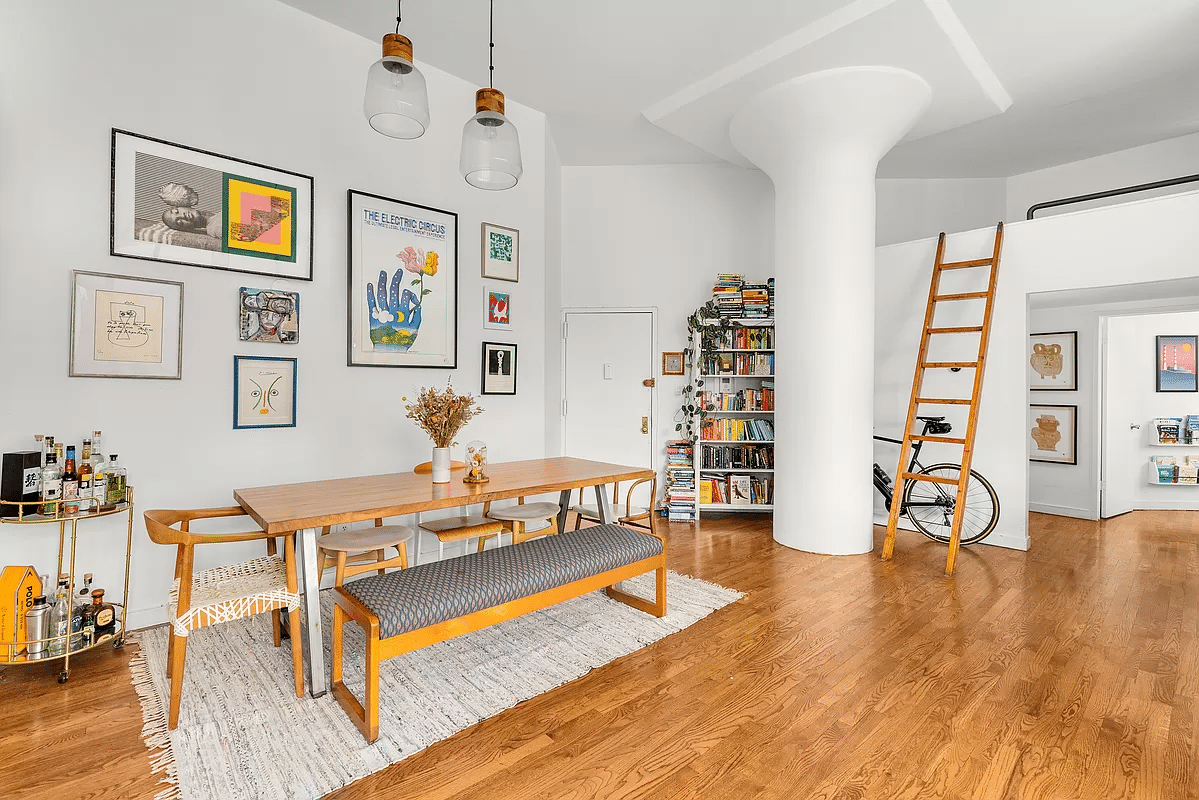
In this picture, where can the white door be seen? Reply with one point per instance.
(609, 409)
(1123, 429)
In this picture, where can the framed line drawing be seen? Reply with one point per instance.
(499, 368)
(1176, 363)
(497, 311)
(268, 315)
(672, 363)
(500, 252)
(264, 392)
(403, 284)
(1053, 362)
(125, 327)
(1053, 434)
(183, 205)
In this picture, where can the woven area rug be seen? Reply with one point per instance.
(243, 734)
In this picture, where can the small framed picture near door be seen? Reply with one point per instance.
(264, 392)
(499, 368)
(1176, 363)
(672, 363)
(125, 327)
(1053, 362)
(501, 253)
(1053, 434)
(497, 311)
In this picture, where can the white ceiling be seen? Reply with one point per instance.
(1085, 77)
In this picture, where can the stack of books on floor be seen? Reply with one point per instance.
(755, 300)
(680, 481)
(737, 430)
(736, 490)
(727, 293)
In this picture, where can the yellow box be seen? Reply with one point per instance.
(18, 587)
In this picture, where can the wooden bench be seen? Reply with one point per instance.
(416, 607)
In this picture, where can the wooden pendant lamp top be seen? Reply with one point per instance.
(489, 100)
(396, 45)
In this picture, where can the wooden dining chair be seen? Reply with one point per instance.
(457, 528)
(516, 519)
(223, 594)
(633, 515)
(360, 550)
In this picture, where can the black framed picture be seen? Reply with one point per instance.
(499, 368)
(403, 284)
(1175, 359)
(183, 205)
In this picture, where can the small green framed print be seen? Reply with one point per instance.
(501, 252)
(264, 392)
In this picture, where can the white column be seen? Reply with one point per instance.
(820, 138)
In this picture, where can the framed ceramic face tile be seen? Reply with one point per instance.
(1053, 362)
(269, 315)
(264, 392)
(501, 252)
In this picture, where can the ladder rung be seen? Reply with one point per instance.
(978, 262)
(955, 401)
(962, 296)
(942, 439)
(949, 364)
(958, 329)
(911, 476)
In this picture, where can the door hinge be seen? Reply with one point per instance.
(564, 329)
(564, 407)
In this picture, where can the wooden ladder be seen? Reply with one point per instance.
(918, 399)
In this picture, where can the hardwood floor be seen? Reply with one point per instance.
(1070, 671)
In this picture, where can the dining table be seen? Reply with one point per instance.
(305, 508)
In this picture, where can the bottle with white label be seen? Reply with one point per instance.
(51, 485)
(98, 458)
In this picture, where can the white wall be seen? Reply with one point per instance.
(913, 208)
(657, 236)
(1171, 158)
(552, 311)
(1147, 240)
(261, 81)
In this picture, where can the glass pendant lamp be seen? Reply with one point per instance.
(396, 102)
(490, 156)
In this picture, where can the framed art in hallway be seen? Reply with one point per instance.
(1053, 362)
(1175, 357)
(501, 252)
(499, 368)
(403, 284)
(1053, 434)
(183, 205)
(125, 327)
(264, 392)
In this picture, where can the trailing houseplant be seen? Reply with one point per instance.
(711, 327)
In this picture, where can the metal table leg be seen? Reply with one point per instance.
(607, 516)
(563, 509)
(310, 584)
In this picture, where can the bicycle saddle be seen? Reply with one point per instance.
(931, 419)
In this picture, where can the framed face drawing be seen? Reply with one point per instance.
(403, 294)
(501, 252)
(187, 206)
(499, 368)
(1053, 362)
(264, 392)
(125, 327)
(1053, 434)
(498, 309)
(269, 315)
(1176, 363)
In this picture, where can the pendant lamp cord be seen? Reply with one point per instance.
(399, 14)
(491, 47)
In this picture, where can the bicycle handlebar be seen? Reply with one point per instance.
(887, 439)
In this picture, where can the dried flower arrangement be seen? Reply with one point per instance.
(442, 414)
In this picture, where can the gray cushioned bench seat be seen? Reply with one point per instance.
(427, 594)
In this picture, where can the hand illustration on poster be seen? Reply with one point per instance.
(396, 313)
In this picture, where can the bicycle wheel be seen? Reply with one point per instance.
(930, 505)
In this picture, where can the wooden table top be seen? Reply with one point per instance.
(293, 506)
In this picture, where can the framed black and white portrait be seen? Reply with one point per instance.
(499, 368)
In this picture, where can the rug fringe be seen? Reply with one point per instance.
(155, 733)
(709, 584)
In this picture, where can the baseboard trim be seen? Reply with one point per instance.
(1000, 538)
(1063, 511)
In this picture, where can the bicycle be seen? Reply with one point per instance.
(929, 505)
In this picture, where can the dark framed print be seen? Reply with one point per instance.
(268, 315)
(264, 392)
(403, 284)
(1053, 434)
(499, 368)
(1175, 359)
(183, 205)
(125, 327)
(1053, 362)
(501, 252)
(672, 363)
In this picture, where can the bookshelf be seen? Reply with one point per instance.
(734, 453)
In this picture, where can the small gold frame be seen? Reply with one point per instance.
(672, 363)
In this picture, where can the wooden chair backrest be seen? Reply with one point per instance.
(160, 526)
(426, 467)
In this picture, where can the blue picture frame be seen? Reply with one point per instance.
(265, 389)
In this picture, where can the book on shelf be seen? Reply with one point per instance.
(1169, 429)
(747, 364)
(739, 491)
(737, 430)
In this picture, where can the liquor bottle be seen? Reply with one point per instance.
(51, 485)
(60, 618)
(86, 477)
(41, 446)
(97, 455)
(47, 448)
(99, 486)
(76, 621)
(116, 483)
(85, 593)
(83, 607)
(104, 616)
(70, 484)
